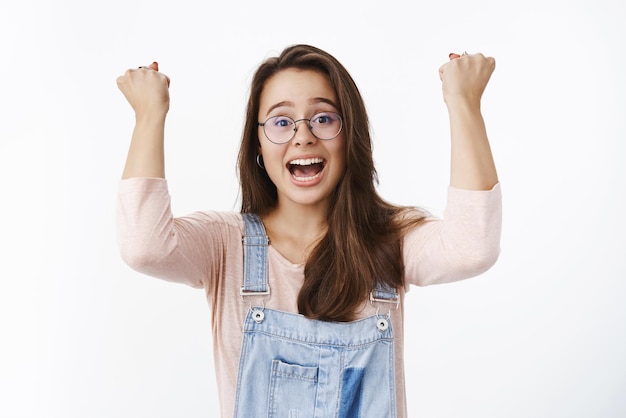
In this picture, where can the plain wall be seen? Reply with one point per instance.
(541, 334)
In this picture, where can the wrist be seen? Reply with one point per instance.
(463, 105)
(150, 118)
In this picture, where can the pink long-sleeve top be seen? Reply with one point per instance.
(204, 250)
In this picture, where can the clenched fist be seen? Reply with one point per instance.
(465, 77)
(146, 89)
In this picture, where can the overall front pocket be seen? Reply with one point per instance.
(292, 390)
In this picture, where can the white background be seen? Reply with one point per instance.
(542, 334)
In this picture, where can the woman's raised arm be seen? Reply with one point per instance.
(147, 91)
(464, 79)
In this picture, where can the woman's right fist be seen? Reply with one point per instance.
(146, 89)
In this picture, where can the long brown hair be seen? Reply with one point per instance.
(362, 245)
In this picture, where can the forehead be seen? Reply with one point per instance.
(296, 87)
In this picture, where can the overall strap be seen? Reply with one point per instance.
(385, 294)
(255, 242)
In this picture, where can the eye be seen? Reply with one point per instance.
(281, 121)
(324, 118)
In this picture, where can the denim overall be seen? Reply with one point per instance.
(295, 367)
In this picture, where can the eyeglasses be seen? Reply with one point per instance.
(282, 129)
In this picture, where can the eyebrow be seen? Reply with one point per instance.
(312, 101)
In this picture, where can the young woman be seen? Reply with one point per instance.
(307, 283)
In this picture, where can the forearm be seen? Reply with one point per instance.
(147, 91)
(146, 154)
(471, 166)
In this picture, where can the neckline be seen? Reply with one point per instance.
(284, 259)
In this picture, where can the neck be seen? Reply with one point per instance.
(294, 229)
(302, 219)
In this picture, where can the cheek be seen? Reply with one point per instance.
(272, 156)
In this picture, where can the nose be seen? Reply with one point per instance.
(303, 134)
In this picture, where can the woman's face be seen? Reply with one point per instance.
(306, 169)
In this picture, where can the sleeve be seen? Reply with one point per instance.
(463, 244)
(185, 250)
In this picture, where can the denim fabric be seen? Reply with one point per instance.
(294, 367)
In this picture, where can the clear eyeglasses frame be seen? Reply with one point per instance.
(282, 129)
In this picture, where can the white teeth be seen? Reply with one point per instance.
(306, 161)
(306, 178)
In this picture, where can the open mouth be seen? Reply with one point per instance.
(306, 169)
